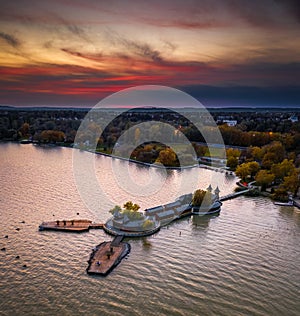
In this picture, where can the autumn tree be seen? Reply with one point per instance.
(253, 167)
(257, 153)
(200, 149)
(292, 182)
(233, 152)
(130, 206)
(242, 171)
(268, 160)
(232, 158)
(24, 130)
(167, 157)
(232, 162)
(202, 197)
(50, 136)
(275, 153)
(283, 169)
(264, 178)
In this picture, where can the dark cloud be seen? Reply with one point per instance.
(275, 96)
(73, 53)
(142, 49)
(293, 6)
(75, 30)
(94, 56)
(186, 23)
(10, 39)
(134, 47)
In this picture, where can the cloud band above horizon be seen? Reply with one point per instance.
(76, 53)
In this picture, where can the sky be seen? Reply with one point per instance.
(222, 52)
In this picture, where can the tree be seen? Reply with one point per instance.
(24, 130)
(275, 153)
(264, 178)
(253, 168)
(232, 152)
(242, 171)
(232, 162)
(283, 169)
(268, 160)
(116, 209)
(130, 206)
(232, 158)
(256, 153)
(50, 136)
(202, 197)
(200, 149)
(167, 157)
(280, 194)
(148, 224)
(292, 182)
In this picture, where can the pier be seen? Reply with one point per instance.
(296, 202)
(233, 195)
(75, 225)
(107, 255)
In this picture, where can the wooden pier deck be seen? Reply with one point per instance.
(76, 225)
(107, 256)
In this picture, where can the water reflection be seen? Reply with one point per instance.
(202, 222)
(288, 212)
(232, 264)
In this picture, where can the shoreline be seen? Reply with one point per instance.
(146, 164)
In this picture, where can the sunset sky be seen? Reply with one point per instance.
(225, 53)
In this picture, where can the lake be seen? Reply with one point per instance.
(243, 262)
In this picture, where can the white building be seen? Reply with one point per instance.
(230, 122)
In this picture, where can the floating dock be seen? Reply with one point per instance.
(76, 225)
(107, 255)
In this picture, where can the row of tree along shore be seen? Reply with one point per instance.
(262, 145)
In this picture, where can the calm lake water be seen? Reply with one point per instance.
(243, 262)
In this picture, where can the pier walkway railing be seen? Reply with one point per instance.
(233, 195)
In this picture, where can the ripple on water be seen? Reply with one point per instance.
(243, 262)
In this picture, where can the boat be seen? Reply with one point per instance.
(25, 141)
